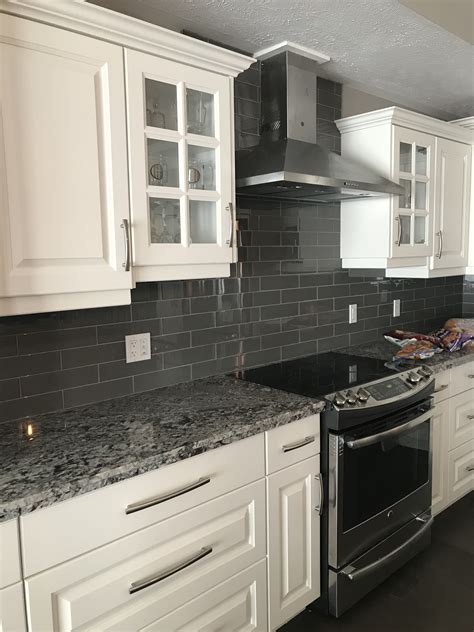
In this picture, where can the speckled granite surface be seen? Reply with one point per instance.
(83, 449)
(383, 350)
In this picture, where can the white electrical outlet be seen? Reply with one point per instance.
(137, 347)
(353, 313)
(396, 307)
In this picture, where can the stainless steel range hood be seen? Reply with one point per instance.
(288, 163)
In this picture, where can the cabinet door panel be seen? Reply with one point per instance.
(461, 419)
(439, 463)
(12, 609)
(453, 173)
(180, 164)
(413, 167)
(293, 540)
(461, 470)
(63, 163)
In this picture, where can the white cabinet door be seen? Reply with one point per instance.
(63, 164)
(180, 122)
(461, 419)
(461, 470)
(439, 463)
(239, 604)
(453, 181)
(413, 168)
(12, 609)
(293, 499)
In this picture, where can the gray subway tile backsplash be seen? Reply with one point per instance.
(287, 297)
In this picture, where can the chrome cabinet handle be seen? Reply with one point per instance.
(158, 577)
(439, 234)
(358, 573)
(298, 444)
(156, 500)
(126, 231)
(440, 388)
(393, 432)
(230, 208)
(471, 377)
(470, 468)
(470, 416)
(397, 219)
(320, 507)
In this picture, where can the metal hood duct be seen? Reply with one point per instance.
(288, 163)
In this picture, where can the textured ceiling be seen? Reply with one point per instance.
(379, 46)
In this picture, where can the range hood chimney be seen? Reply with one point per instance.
(288, 163)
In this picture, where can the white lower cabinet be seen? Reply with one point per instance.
(461, 419)
(238, 604)
(293, 540)
(12, 609)
(461, 470)
(440, 483)
(132, 582)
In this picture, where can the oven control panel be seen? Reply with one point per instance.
(384, 390)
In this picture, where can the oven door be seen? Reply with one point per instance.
(379, 479)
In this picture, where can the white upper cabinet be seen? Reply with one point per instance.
(423, 232)
(63, 170)
(180, 122)
(66, 173)
(453, 161)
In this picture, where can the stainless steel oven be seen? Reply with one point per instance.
(377, 470)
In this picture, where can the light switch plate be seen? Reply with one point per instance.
(137, 348)
(396, 307)
(353, 313)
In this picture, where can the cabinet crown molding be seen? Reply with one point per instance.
(405, 118)
(102, 23)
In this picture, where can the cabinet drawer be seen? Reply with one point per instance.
(442, 386)
(461, 419)
(462, 378)
(238, 604)
(10, 571)
(461, 470)
(12, 609)
(165, 566)
(53, 535)
(294, 442)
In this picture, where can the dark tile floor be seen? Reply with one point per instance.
(434, 592)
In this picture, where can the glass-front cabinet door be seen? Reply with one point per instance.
(413, 162)
(181, 163)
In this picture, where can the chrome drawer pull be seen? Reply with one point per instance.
(470, 468)
(470, 416)
(126, 231)
(298, 444)
(319, 509)
(471, 377)
(154, 579)
(441, 388)
(156, 500)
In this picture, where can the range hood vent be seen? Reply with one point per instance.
(288, 163)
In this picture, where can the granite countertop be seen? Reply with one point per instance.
(383, 350)
(82, 449)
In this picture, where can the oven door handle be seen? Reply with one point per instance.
(354, 444)
(359, 573)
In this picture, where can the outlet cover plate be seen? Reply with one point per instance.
(137, 347)
(396, 307)
(353, 313)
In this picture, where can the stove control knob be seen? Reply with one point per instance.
(351, 398)
(363, 395)
(339, 400)
(425, 372)
(413, 378)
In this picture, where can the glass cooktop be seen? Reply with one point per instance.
(318, 375)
